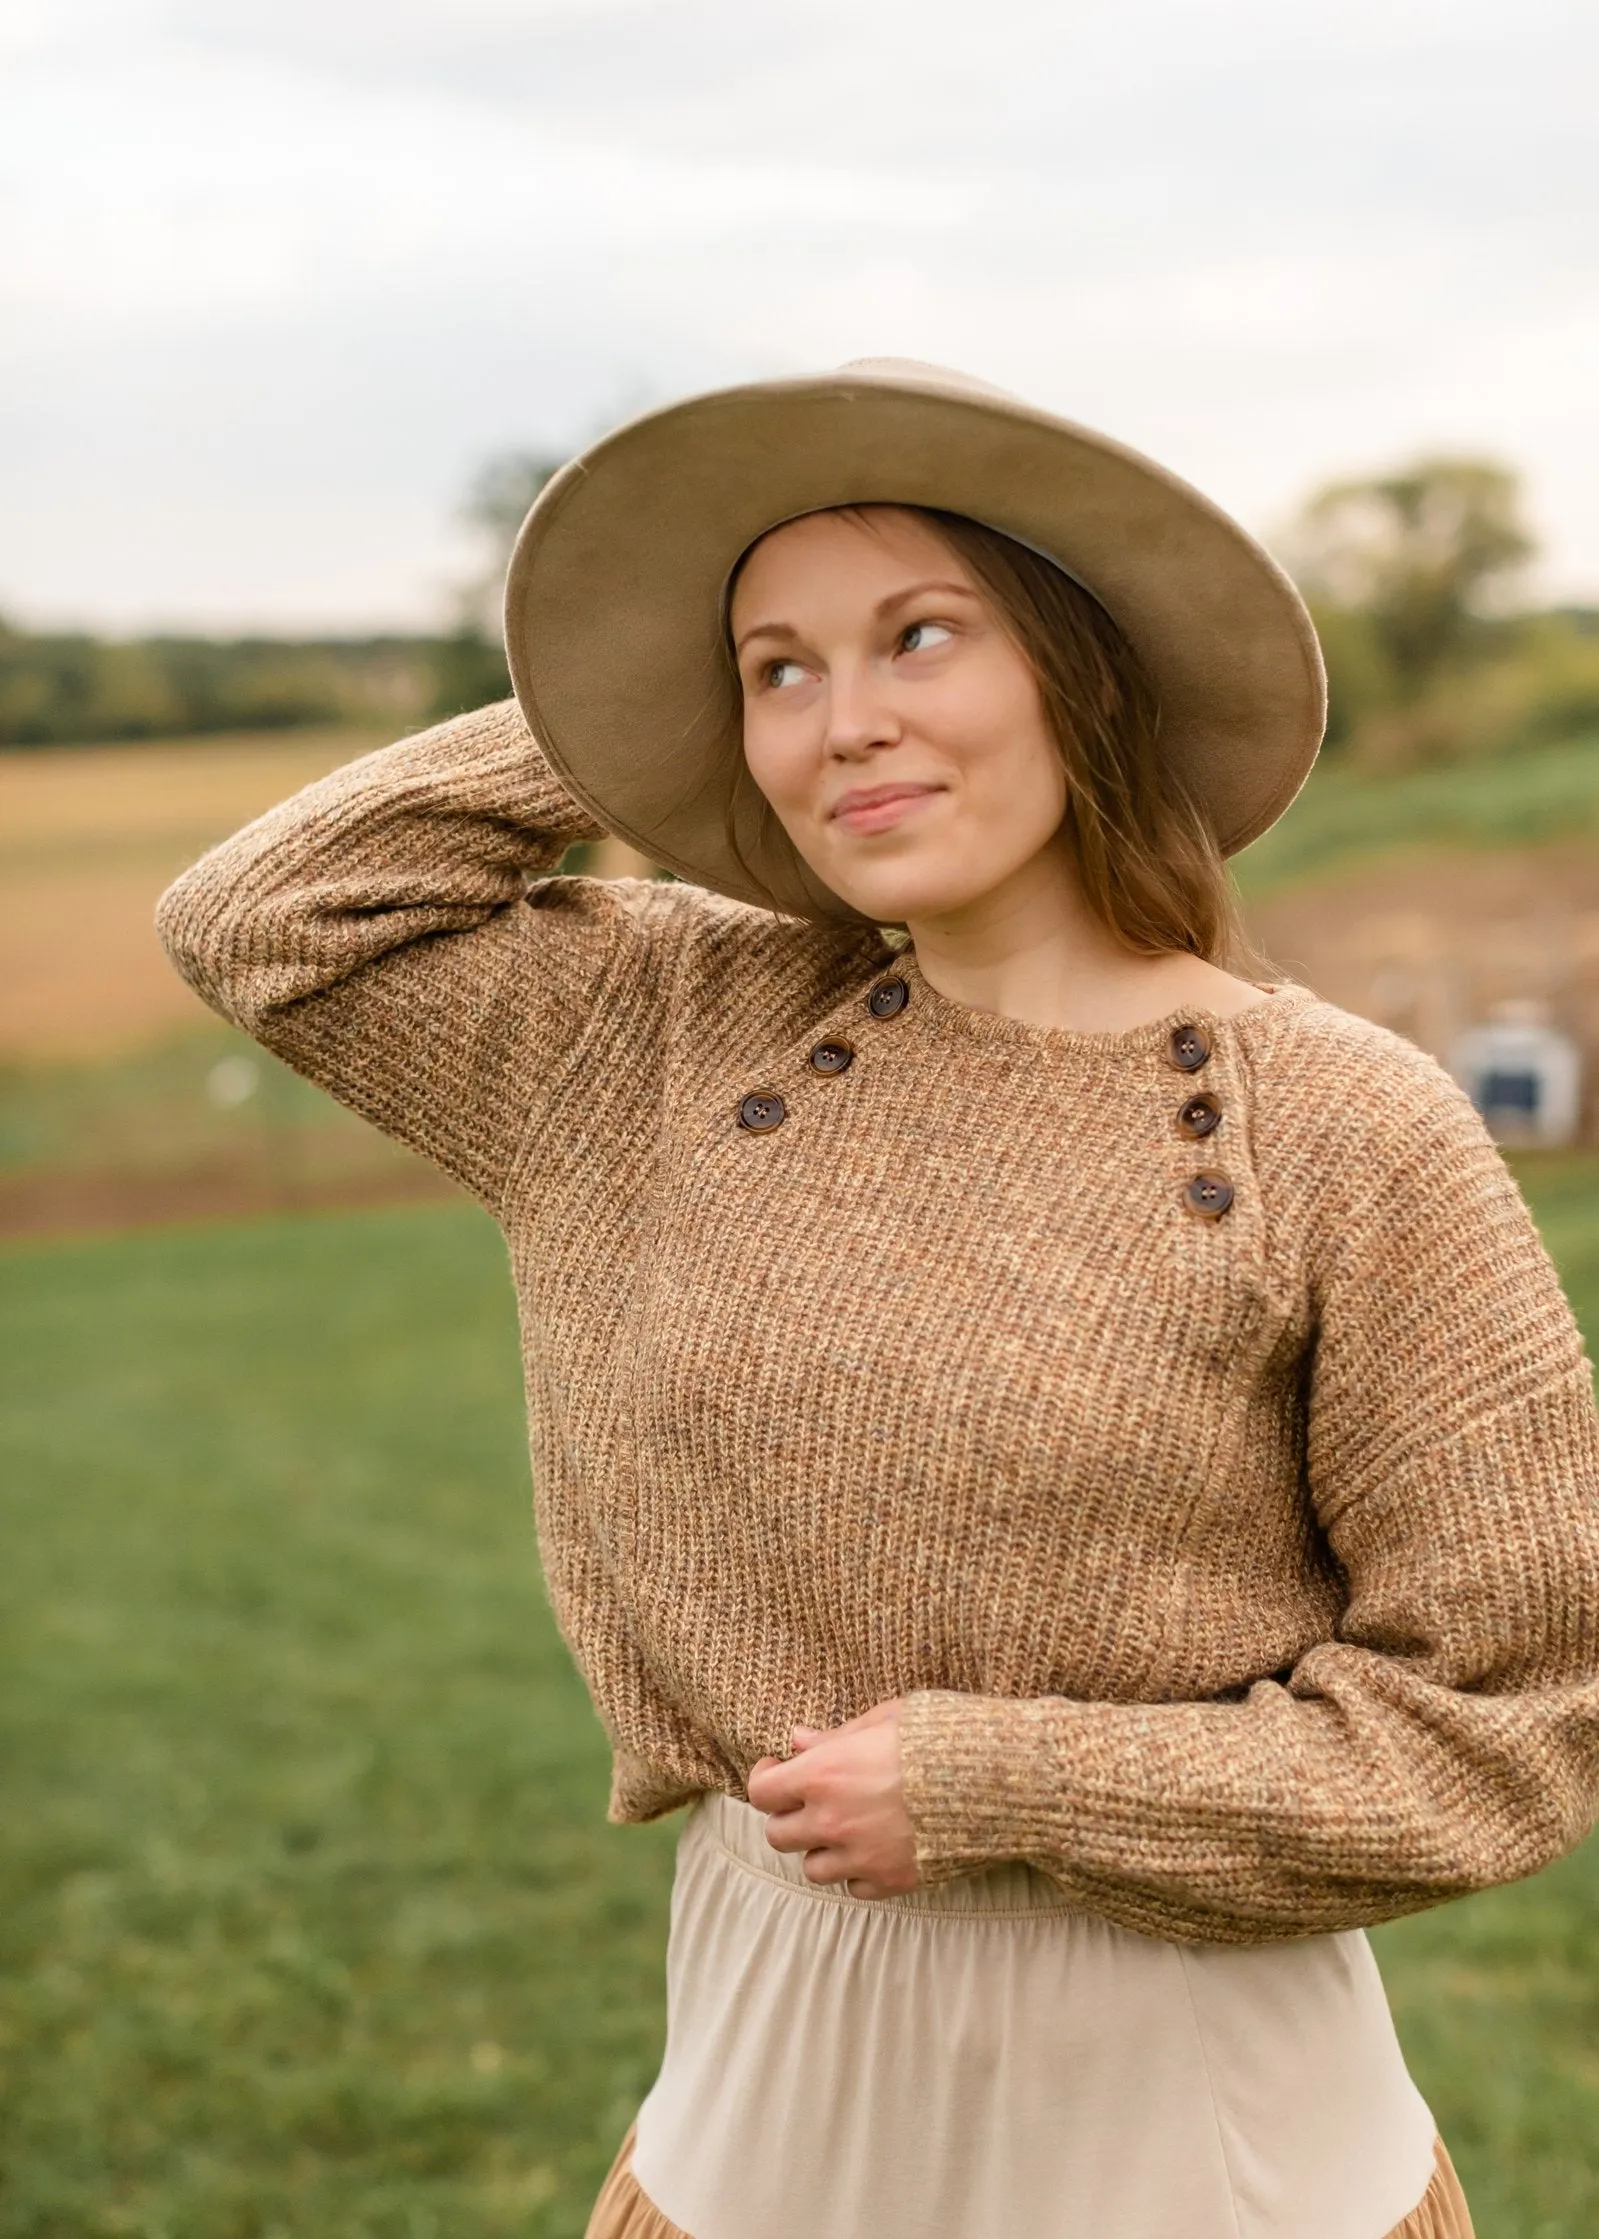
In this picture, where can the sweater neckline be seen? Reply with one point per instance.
(1153, 1035)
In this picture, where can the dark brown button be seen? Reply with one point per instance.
(832, 1057)
(887, 997)
(1209, 1195)
(762, 1112)
(1201, 1115)
(1188, 1048)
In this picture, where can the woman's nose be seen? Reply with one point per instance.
(860, 715)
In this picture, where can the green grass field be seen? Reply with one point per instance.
(146, 1133)
(311, 1921)
(311, 1924)
(1346, 818)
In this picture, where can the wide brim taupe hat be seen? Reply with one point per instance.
(614, 601)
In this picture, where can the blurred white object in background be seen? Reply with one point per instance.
(1523, 1075)
(232, 1081)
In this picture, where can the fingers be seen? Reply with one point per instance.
(780, 1785)
(792, 1830)
(777, 1784)
(820, 1800)
(867, 1878)
(769, 1793)
(830, 1865)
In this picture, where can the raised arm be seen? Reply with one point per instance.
(1448, 1738)
(373, 931)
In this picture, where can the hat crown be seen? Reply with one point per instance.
(923, 374)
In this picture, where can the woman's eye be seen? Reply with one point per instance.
(921, 637)
(781, 673)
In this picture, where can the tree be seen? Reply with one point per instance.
(469, 667)
(503, 492)
(1422, 556)
(497, 504)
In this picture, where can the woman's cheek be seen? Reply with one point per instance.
(767, 765)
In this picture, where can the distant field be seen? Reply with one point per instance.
(108, 1064)
(90, 835)
(1346, 820)
(310, 1925)
(88, 838)
(106, 1059)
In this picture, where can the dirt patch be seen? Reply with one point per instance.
(1432, 944)
(1431, 940)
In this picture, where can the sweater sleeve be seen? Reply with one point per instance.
(1447, 1737)
(374, 931)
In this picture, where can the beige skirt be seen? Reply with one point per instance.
(622, 2212)
(985, 2061)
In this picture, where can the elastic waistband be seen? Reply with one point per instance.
(738, 1831)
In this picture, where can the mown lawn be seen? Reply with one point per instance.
(310, 1923)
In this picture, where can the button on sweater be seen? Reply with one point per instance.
(1226, 1512)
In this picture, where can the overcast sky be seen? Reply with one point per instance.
(279, 274)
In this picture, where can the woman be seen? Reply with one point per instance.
(1071, 1459)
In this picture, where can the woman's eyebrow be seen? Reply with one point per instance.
(766, 629)
(918, 590)
(883, 606)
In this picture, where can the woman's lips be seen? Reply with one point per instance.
(882, 808)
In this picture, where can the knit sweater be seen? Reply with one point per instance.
(1233, 1542)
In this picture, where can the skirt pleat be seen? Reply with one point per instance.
(623, 2212)
(1443, 2213)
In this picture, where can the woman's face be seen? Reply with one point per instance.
(892, 723)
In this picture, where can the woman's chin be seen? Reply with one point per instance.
(898, 893)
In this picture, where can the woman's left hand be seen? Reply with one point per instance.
(841, 1801)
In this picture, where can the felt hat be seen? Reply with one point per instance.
(614, 609)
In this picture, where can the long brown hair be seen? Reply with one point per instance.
(1146, 855)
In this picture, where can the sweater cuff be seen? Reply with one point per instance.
(979, 1779)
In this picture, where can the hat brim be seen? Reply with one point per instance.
(613, 614)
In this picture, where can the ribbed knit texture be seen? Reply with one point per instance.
(1243, 1574)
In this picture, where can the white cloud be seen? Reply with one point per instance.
(278, 275)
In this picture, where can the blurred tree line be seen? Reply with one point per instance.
(65, 687)
(1413, 576)
(69, 687)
